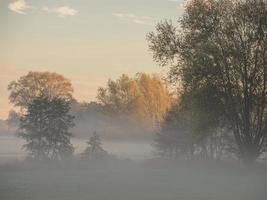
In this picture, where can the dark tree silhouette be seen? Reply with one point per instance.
(45, 127)
(222, 44)
(189, 132)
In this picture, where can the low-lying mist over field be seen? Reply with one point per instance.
(132, 171)
(150, 180)
(11, 148)
(89, 117)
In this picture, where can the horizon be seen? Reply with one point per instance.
(66, 37)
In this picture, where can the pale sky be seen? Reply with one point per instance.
(87, 41)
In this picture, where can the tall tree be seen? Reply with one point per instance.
(222, 44)
(45, 127)
(36, 84)
(155, 97)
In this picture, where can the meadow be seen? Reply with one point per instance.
(126, 180)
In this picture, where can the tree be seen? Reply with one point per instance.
(190, 131)
(119, 95)
(175, 138)
(36, 84)
(94, 149)
(208, 125)
(144, 99)
(45, 127)
(222, 44)
(155, 97)
(13, 119)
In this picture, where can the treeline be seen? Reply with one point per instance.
(126, 108)
(217, 58)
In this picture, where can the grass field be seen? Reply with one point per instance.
(125, 180)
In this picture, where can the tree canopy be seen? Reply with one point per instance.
(36, 84)
(222, 44)
(143, 98)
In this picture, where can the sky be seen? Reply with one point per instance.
(87, 41)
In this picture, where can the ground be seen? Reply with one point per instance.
(125, 180)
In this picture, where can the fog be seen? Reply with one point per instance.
(11, 148)
(133, 173)
(133, 170)
(120, 179)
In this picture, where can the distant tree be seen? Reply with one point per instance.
(222, 44)
(45, 127)
(144, 98)
(94, 149)
(119, 95)
(13, 119)
(96, 116)
(35, 84)
(155, 96)
(82, 108)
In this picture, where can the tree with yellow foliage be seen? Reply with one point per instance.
(143, 98)
(36, 84)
